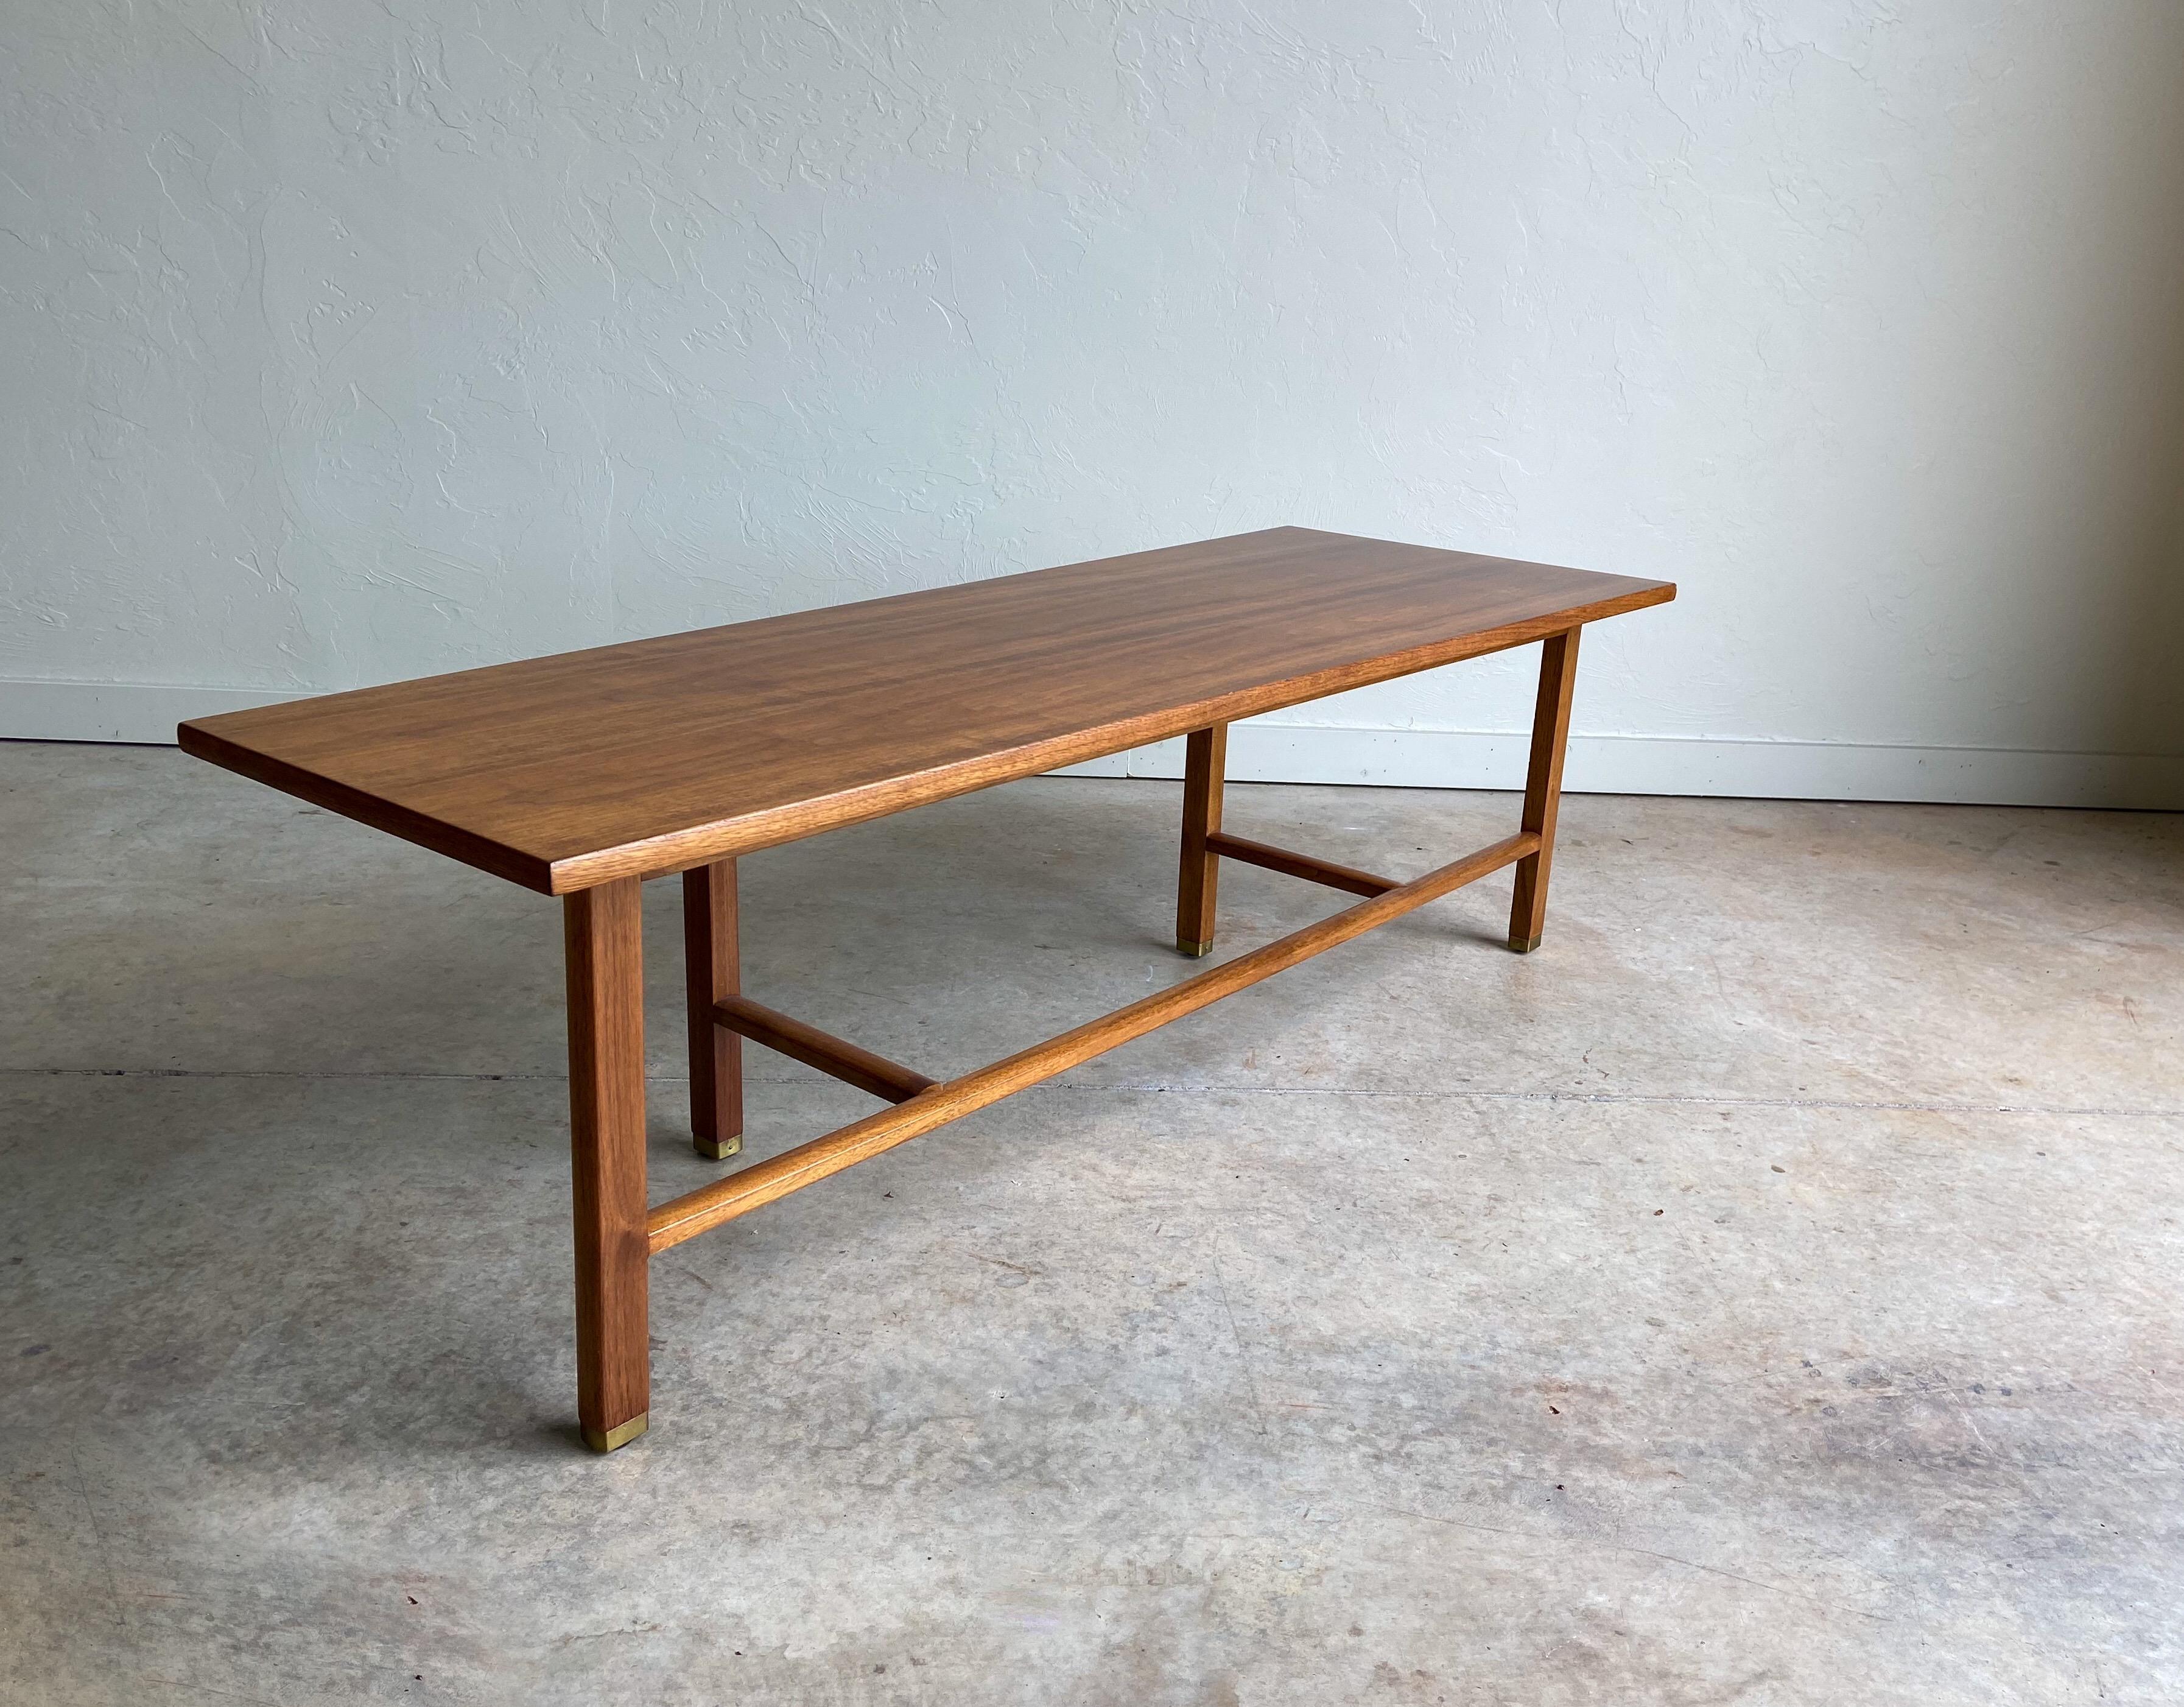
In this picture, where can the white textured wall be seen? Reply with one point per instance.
(342, 342)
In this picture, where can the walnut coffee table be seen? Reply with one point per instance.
(583, 775)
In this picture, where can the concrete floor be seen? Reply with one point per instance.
(1769, 1291)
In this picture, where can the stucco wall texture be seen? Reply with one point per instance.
(342, 343)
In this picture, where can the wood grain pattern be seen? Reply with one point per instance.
(762, 1182)
(1543, 787)
(1198, 873)
(711, 969)
(655, 756)
(603, 932)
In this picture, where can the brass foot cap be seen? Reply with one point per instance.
(621, 1435)
(1519, 944)
(1183, 944)
(719, 1149)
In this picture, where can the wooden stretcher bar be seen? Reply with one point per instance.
(1341, 877)
(815, 1048)
(762, 1182)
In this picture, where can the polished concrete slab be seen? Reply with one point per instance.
(1769, 1292)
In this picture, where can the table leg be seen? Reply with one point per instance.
(1543, 787)
(1205, 758)
(603, 936)
(710, 973)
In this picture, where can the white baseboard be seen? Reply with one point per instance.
(1399, 758)
(135, 711)
(1683, 765)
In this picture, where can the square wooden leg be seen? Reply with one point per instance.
(1205, 758)
(1543, 787)
(603, 932)
(712, 971)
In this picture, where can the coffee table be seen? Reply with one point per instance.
(583, 775)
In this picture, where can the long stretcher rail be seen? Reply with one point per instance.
(762, 1182)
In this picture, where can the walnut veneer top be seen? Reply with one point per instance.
(653, 755)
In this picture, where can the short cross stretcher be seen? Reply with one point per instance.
(583, 775)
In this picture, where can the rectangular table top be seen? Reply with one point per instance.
(653, 755)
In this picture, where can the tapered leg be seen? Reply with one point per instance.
(1543, 787)
(1205, 758)
(711, 972)
(604, 944)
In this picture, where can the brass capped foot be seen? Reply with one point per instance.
(1183, 944)
(718, 1150)
(621, 1435)
(1519, 944)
